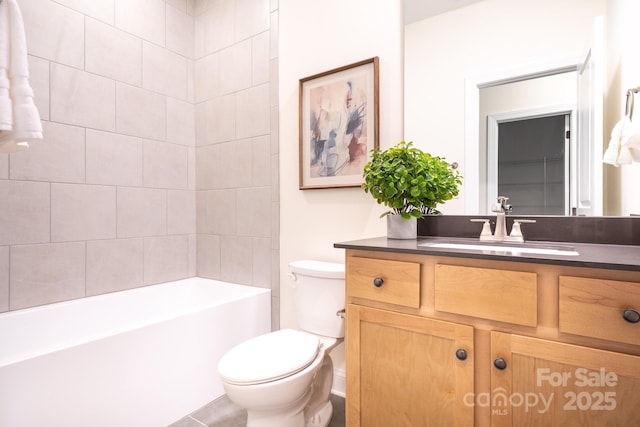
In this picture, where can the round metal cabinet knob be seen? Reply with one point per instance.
(378, 281)
(500, 363)
(631, 315)
(461, 354)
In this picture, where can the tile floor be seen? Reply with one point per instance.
(224, 413)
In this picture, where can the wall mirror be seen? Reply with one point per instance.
(472, 72)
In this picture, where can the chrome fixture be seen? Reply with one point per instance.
(502, 208)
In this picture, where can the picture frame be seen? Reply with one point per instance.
(338, 125)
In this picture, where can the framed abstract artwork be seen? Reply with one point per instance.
(339, 115)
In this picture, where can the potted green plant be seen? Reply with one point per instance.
(411, 183)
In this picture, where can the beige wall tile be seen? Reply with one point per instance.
(114, 265)
(4, 278)
(180, 30)
(215, 120)
(254, 212)
(234, 164)
(82, 212)
(201, 211)
(54, 32)
(198, 37)
(140, 112)
(113, 53)
(165, 258)
(235, 67)
(273, 35)
(191, 154)
(260, 59)
(207, 171)
(25, 215)
(102, 10)
(193, 247)
(207, 77)
(191, 96)
(58, 157)
(261, 263)
(113, 159)
(202, 6)
(81, 98)
(164, 71)
(252, 17)
(4, 166)
(208, 256)
(143, 18)
(221, 212)
(181, 127)
(261, 161)
(178, 4)
(252, 112)
(43, 274)
(141, 212)
(39, 80)
(219, 25)
(165, 165)
(236, 260)
(181, 212)
(191, 7)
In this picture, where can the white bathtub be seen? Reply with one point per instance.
(141, 357)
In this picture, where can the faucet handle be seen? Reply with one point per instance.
(501, 205)
(516, 231)
(486, 228)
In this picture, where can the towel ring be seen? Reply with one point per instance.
(628, 111)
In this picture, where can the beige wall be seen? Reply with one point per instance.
(316, 37)
(622, 73)
(135, 95)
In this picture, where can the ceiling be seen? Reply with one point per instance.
(416, 10)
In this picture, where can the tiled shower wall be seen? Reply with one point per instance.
(236, 122)
(147, 106)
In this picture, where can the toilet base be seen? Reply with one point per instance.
(322, 418)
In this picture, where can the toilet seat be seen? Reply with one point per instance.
(269, 357)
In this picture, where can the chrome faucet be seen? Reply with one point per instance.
(502, 208)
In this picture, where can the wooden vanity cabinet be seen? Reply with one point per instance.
(468, 342)
(398, 364)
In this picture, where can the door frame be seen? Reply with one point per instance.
(473, 84)
(493, 120)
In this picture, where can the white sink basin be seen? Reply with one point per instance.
(514, 250)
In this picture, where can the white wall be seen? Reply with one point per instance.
(623, 73)
(316, 37)
(478, 40)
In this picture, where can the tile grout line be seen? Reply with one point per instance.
(198, 421)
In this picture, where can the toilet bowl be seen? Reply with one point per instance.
(284, 378)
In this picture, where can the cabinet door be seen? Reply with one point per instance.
(547, 383)
(405, 370)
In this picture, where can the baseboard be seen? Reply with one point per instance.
(339, 382)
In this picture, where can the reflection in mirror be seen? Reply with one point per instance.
(453, 57)
(527, 134)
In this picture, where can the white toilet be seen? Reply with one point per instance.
(284, 378)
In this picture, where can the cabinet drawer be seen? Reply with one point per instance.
(595, 307)
(394, 282)
(501, 295)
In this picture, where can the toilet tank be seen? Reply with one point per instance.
(318, 293)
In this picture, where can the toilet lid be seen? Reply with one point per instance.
(269, 357)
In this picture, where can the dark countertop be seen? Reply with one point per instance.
(616, 257)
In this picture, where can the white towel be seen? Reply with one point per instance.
(19, 117)
(624, 145)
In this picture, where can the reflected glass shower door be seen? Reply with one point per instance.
(533, 162)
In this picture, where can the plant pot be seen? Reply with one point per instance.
(400, 228)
